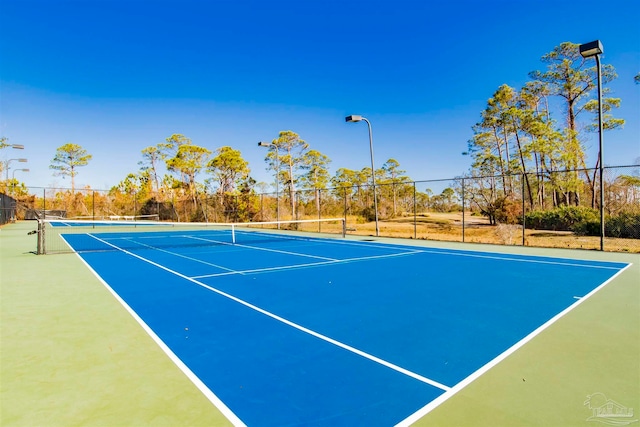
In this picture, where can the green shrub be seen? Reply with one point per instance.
(587, 228)
(625, 225)
(369, 213)
(563, 218)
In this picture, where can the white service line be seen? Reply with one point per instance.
(288, 322)
(264, 270)
(295, 266)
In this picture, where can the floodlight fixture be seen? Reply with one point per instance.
(587, 50)
(353, 118)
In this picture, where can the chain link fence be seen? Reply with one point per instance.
(7, 209)
(559, 210)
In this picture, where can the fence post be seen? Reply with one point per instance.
(415, 212)
(206, 206)
(261, 207)
(523, 209)
(319, 208)
(463, 217)
(601, 180)
(236, 204)
(345, 205)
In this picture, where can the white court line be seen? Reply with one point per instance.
(468, 380)
(295, 266)
(264, 270)
(213, 398)
(534, 261)
(288, 322)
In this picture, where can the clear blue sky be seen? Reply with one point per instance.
(116, 76)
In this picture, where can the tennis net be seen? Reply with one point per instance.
(71, 235)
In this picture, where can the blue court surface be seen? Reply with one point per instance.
(332, 332)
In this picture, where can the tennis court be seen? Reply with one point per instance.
(280, 330)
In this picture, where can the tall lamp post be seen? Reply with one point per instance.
(9, 161)
(13, 178)
(588, 50)
(356, 118)
(275, 149)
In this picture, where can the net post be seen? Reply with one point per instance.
(40, 238)
(344, 227)
(233, 234)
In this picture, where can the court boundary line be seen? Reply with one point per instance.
(301, 328)
(200, 385)
(419, 414)
(533, 261)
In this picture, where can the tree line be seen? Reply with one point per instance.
(530, 141)
(528, 144)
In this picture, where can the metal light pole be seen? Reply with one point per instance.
(17, 170)
(13, 178)
(9, 161)
(588, 50)
(269, 145)
(356, 118)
